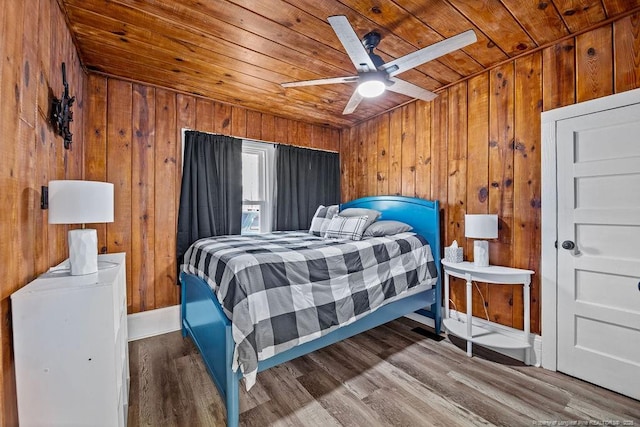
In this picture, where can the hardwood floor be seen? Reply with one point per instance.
(392, 375)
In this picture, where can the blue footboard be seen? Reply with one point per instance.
(206, 323)
(210, 329)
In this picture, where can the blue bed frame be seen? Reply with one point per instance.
(210, 329)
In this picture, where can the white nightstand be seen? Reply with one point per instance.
(495, 275)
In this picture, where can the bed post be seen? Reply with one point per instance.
(232, 394)
(183, 307)
(437, 313)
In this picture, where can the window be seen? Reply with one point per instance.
(257, 186)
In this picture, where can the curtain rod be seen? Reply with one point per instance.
(259, 140)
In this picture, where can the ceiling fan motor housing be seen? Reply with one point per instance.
(370, 41)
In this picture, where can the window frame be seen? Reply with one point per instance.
(266, 176)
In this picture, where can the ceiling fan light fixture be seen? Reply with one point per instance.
(371, 88)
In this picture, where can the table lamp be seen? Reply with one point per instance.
(81, 202)
(481, 227)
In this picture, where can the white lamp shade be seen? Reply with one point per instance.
(80, 202)
(481, 226)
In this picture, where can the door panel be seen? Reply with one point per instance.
(609, 290)
(591, 148)
(598, 191)
(589, 192)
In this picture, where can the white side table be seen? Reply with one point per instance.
(492, 274)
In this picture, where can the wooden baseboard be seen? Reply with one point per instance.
(153, 322)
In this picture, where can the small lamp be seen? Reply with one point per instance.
(481, 227)
(81, 202)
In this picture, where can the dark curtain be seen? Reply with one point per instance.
(211, 193)
(305, 179)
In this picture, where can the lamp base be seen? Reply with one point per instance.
(481, 253)
(83, 251)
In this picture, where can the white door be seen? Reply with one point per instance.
(598, 190)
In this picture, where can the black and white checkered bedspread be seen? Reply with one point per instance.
(287, 288)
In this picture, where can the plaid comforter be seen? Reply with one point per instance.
(287, 288)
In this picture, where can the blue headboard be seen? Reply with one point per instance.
(422, 215)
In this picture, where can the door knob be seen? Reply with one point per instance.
(568, 244)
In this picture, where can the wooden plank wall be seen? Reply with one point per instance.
(34, 41)
(133, 135)
(476, 149)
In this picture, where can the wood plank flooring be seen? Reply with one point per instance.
(392, 375)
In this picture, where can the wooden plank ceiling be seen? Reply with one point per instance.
(239, 51)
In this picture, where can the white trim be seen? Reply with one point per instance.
(593, 106)
(266, 176)
(153, 322)
(183, 132)
(549, 253)
(550, 210)
(516, 334)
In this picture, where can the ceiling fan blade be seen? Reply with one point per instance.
(351, 43)
(354, 101)
(330, 81)
(429, 53)
(409, 89)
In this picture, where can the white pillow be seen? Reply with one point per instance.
(321, 219)
(371, 213)
(346, 227)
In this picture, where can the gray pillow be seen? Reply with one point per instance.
(372, 215)
(386, 228)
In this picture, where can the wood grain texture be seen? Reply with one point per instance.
(166, 168)
(423, 150)
(119, 169)
(477, 197)
(143, 188)
(372, 157)
(439, 144)
(494, 20)
(527, 187)
(408, 143)
(34, 41)
(456, 184)
(390, 375)
(457, 164)
(440, 14)
(626, 39)
(95, 152)
(594, 62)
(581, 13)
(542, 23)
(395, 151)
(238, 52)
(559, 75)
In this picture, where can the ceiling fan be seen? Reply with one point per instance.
(374, 75)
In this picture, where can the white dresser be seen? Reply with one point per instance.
(70, 344)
